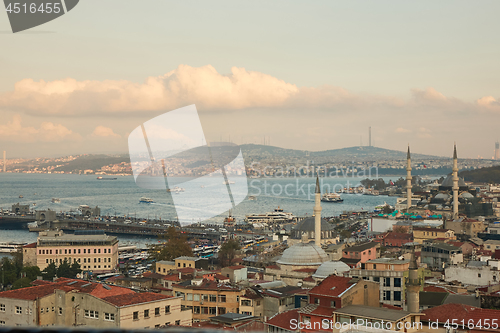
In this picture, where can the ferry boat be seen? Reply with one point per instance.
(252, 197)
(176, 189)
(56, 200)
(276, 216)
(227, 182)
(146, 200)
(331, 197)
(380, 208)
(229, 221)
(20, 197)
(10, 247)
(106, 178)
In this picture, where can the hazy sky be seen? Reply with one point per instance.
(309, 75)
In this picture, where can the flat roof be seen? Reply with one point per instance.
(372, 312)
(387, 261)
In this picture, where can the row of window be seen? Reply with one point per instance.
(212, 310)
(201, 297)
(75, 251)
(146, 312)
(19, 309)
(386, 295)
(95, 315)
(96, 266)
(79, 260)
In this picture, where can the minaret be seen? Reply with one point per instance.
(317, 214)
(408, 180)
(455, 183)
(413, 286)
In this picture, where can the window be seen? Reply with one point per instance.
(397, 296)
(387, 295)
(213, 298)
(157, 311)
(136, 315)
(84, 251)
(2, 323)
(397, 282)
(332, 304)
(177, 322)
(387, 282)
(86, 313)
(90, 314)
(109, 316)
(41, 310)
(374, 266)
(2, 307)
(222, 311)
(246, 302)
(196, 309)
(189, 297)
(222, 298)
(60, 311)
(376, 279)
(53, 309)
(204, 310)
(212, 310)
(19, 310)
(479, 275)
(146, 313)
(196, 297)
(184, 265)
(316, 300)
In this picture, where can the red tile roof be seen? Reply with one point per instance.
(392, 307)
(284, 319)
(438, 289)
(273, 267)
(134, 298)
(459, 312)
(236, 267)
(30, 246)
(332, 286)
(220, 277)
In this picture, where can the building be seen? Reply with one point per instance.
(252, 303)
(479, 273)
(94, 251)
(19, 209)
(165, 266)
(29, 255)
(440, 255)
(466, 226)
(359, 254)
(422, 234)
(307, 226)
(390, 274)
(396, 239)
(71, 302)
(235, 273)
(280, 299)
(208, 298)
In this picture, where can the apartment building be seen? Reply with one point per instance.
(421, 234)
(71, 302)
(208, 298)
(94, 251)
(390, 275)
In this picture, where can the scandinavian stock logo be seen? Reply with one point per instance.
(170, 152)
(26, 14)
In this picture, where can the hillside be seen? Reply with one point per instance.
(483, 175)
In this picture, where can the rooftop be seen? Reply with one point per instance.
(361, 247)
(333, 286)
(373, 313)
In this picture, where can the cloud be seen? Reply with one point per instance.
(424, 133)
(47, 132)
(489, 103)
(104, 132)
(402, 130)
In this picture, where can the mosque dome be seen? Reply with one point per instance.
(448, 182)
(442, 196)
(303, 254)
(466, 195)
(330, 267)
(307, 226)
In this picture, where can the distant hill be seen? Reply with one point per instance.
(483, 175)
(351, 153)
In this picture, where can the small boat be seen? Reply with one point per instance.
(34, 204)
(227, 182)
(106, 178)
(146, 200)
(176, 189)
(56, 200)
(252, 197)
(331, 197)
(20, 196)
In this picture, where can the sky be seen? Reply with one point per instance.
(309, 76)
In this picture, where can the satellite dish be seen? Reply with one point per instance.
(79, 275)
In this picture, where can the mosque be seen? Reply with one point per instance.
(305, 262)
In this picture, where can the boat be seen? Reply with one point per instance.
(146, 200)
(252, 197)
(227, 182)
(176, 189)
(20, 196)
(56, 200)
(10, 247)
(276, 216)
(331, 197)
(380, 208)
(106, 178)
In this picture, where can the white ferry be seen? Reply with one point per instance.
(56, 200)
(277, 216)
(331, 197)
(10, 247)
(146, 200)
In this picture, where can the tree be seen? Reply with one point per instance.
(176, 245)
(228, 252)
(64, 269)
(31, 272)
(50, 272)
(75, 269)
(21, 283)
